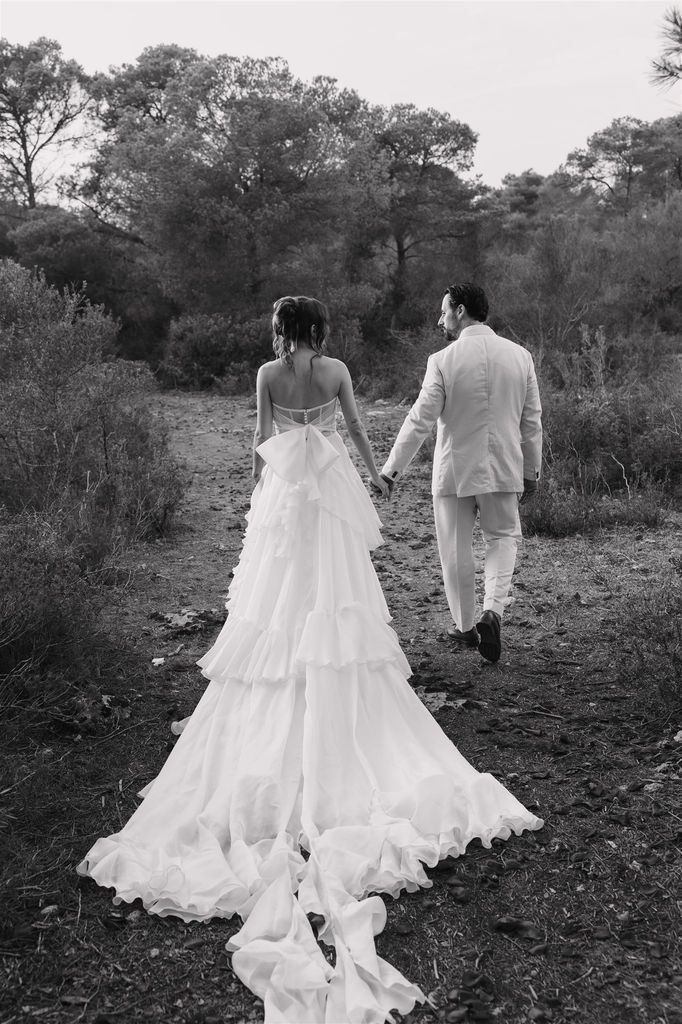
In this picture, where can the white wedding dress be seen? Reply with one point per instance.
(310, 774)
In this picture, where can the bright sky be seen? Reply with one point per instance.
(534, 78)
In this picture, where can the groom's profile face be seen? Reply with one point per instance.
(450, 321)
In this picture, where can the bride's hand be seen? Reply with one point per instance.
(380, 486)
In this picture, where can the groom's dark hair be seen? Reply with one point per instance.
(471, 297)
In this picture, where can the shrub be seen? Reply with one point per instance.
(602, 438)
(84, 470)
(544, 294)
(76, 436)
(48, 606)
(56, 656)
(397, 370)
(204, 349)
(612, 446)
(654, 616)
(559, 511)
(348, 306)
(72, 248)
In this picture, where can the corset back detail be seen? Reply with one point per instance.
(321, 416)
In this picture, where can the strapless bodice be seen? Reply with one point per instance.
(321, 416)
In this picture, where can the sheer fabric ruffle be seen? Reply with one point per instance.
(310, 775)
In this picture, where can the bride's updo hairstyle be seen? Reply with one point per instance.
(297, 319)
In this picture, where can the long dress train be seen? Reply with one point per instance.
(309, 774)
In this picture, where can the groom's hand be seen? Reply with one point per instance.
(529, 489)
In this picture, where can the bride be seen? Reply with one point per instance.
(310, 775)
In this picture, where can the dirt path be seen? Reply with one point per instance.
(579, 922)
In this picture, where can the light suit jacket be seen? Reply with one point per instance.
(483, 393)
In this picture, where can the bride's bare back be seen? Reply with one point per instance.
(312, 380)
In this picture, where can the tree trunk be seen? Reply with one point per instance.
(399, 293)
(28, 174)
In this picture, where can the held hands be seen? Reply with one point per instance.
(381, 485)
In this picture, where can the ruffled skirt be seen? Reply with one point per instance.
(310, 775)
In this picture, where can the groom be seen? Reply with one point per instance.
(482, 391)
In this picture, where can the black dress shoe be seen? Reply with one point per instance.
(490, 646)
(467, 639)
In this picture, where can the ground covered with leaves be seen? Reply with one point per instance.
(578, 922)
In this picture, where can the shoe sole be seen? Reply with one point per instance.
(490, 646)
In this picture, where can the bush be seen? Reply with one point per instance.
(557, 511)
(542, 295)
(73, 248)
(48, 606)
(56, 656)
(76, 438)
(84, 470)
(654, 617)
(206, 350)
(612, 445)
(348, 306)
(397, 370)
(603, 438)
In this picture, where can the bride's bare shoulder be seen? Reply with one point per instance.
(334, 366)
(267, 370)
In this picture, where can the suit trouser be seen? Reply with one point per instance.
(501, 528)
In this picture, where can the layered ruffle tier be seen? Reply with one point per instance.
(310, 775)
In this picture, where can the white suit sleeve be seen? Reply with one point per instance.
(418, 423)
(531, 428)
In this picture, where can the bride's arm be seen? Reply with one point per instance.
(263, 419)
(357, 430)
